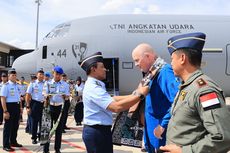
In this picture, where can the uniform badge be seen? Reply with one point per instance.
(12, 91)
(98, 83)
(209, 100)
(201, 82)
(182, 95)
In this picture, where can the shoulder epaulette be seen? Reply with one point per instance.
(201, 82)
(98, 83)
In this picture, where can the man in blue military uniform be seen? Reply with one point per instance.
(99, 105)
(56, 90)
(34, 103)
(10, 98)
(66, 103)
(200, 118)
(160, 98)
(4, 79)
(28, 128)
(47, 76)
(23, 88)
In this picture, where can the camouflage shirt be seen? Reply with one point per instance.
(200, 121)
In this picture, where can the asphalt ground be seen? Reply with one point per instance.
(71, 141)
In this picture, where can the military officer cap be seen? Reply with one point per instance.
(3, 75)
(40, 70)
(191, 40)
(12, 71)
(33, 76)
(87, 62)
(58, 69)
(22, 78)
(47, 74)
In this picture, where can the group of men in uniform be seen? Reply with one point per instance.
(186, 116)
(185, 110)
(41, 90)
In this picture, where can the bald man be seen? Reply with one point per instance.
(163, 89)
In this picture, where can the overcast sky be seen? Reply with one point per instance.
(18, 17)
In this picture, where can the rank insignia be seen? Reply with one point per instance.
(98, 83)
(182, 95)
(201, 82)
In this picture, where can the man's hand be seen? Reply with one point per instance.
(143, 90)
(21, 111)
(172, 148)
(158, 131)
(22, 98)
(28, 111)
(6, 115)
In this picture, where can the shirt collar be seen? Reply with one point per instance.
(96, 80)
(59, 82)
(37, 81)
(192, 77)
(10, 82)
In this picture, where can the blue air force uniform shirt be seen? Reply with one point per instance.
(35, 89)
(11, 91)
(158, 104)
(1, 84)
(56, 90)
(23, 89)
(96, 100)
(67, 86)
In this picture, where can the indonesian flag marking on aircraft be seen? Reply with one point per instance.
(209, 99)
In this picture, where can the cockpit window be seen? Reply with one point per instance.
(59, 31)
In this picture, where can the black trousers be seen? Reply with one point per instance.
(55, 112)
(65, 111)
(78, 112)
(36, 115)
(98, 139)
(1, 113)
(11, 125)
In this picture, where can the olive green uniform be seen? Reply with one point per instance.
(197, 128)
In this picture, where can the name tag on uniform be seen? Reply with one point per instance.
(12, 91)
(209, 100)
(36, 89)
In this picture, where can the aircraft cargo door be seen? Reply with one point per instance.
(228, 60)
(111, 81)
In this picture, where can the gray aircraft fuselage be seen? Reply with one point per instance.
(117, 35)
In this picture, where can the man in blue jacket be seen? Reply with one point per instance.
(163, 89)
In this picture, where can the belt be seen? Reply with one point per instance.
(55, 104)
(99, 126)
(37, 101)
(17, 102)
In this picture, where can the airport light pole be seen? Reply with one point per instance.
(38, 4)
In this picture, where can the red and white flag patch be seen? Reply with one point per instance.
(209, 99)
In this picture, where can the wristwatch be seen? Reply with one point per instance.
(5, 111)
(27, 107)
(141, 96)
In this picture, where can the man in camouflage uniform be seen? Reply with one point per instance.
(200, 118)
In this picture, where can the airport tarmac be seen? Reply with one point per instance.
(71, 140)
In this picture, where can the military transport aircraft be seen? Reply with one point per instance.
(117, 35)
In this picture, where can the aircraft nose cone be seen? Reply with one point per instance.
(25, 64)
